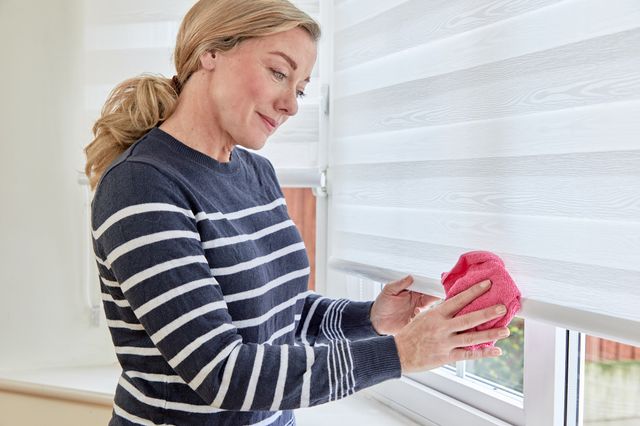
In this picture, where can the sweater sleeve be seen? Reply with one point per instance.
(146, 239)
(321, 314)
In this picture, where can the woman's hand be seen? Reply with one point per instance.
(435, 337)
(396, 306)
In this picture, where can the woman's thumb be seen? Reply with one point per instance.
(401, 284)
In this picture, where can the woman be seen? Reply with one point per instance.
(203, 274)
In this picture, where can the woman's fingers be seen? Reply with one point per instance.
(469, 354)
(474, 319)
(478, 337)
(452, 306)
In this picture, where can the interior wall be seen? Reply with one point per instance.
(44, 316)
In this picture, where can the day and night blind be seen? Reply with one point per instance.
(509, 126)
(126, 38)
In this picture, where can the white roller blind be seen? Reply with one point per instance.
(509, 126)
(125, 38)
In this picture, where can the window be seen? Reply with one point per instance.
(502, 126)
(611, 383)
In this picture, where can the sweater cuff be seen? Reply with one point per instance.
(357, 315)
(375, 360)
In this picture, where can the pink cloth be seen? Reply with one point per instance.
(474, 267)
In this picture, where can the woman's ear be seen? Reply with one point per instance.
(208, 60)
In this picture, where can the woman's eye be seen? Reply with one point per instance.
(301, 94)
(278, 75)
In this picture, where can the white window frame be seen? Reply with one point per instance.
(551, 368)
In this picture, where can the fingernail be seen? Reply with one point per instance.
(504, 333)
(496, 351)
(501, 310)
(485, 284)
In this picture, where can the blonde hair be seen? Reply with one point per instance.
(137, 105)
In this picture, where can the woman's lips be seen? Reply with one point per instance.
(270, 125)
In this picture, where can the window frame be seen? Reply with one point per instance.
(441, 397)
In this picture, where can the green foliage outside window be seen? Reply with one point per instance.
(506, 370)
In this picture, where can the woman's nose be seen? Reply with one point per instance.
(288, 103)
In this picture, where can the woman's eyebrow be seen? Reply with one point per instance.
(290, 61)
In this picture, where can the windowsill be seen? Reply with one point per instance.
(97, 384)
(92, 384)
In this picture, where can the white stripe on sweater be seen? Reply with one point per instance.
(144, 240)
(330, 326)
(252, 322)
(225, 241)
(241, 213)
(191, 347)
(152, 377)
(185, 318)
(161, 403)
(344, 347)
(207, 369)
(138, 209)
(250, 264)
(168, 295)
(351, 366)
(280, 333)
(106, 297)
(248, 294)
(253, 380)
(332, 367)
(226, 378)
(121, 412)
(307, 321)
(108, 283)
(282, 376)
(306, 377)
(159, 268)
(122, 324)
(135, 350)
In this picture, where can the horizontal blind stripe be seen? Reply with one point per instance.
(575, 130)
(585, 73)
(546, 29)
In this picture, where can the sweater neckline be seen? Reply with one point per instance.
(196, 156)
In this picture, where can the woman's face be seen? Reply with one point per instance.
(255, 87)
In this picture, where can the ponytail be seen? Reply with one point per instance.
(133, 108)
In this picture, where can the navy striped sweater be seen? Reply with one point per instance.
(204, 283)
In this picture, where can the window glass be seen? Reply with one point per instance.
(611, 383)
(507, 370)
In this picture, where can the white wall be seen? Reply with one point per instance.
(43, 318)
